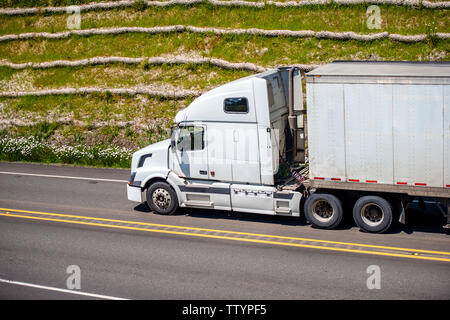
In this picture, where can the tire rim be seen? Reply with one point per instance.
(161, 198)
(322, 210)
(372, 214)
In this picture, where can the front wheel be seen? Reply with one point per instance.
(161, 198)
(372, 214)
(323, 210)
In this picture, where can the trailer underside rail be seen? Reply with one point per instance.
(400, 189)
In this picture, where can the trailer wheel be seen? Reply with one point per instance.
(161, 198)
(372, 214)
(323, 210)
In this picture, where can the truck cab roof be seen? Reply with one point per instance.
(210, 106)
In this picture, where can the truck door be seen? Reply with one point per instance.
(190, 158)
(245, 160)
(220, 151)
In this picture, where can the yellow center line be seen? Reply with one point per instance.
(230, 232)
(409, 254)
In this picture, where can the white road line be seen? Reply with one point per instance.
(61, 177)
(93, 295)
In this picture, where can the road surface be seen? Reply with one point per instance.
(70, 233)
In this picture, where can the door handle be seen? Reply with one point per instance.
(203, 172)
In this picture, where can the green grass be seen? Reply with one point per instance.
(199, 77)
(93, 108)
(43, 3)
(395, 19)
(154, 117)
(35, 149)
(266, 51)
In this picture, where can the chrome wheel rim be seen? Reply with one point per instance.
(322, 210)
(372, 214)
(161, 198)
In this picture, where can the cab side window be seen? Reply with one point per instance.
(191, 138)
(235, 105)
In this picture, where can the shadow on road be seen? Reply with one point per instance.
(228, 215)
(429, 220)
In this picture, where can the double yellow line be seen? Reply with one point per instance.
(235, 235)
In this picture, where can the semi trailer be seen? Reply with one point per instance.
(372, 137)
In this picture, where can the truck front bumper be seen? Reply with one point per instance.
(134, 193)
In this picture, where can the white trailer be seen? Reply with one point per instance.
(378, 134)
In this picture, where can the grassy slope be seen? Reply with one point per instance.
(198, 77)
(44, 3)
(395, 19)
(151, 116)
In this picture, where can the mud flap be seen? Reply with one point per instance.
(401, 207)
(402, 216)
(444, 207)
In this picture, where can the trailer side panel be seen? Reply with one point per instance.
(326, 130)
(418, 135)
(368, 132)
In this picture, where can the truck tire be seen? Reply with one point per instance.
(161, 198)
(323, 210)
(372, 214)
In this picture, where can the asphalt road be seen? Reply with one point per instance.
(114, 262)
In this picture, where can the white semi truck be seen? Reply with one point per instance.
(373, 136)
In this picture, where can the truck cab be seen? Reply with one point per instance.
(225, 148)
